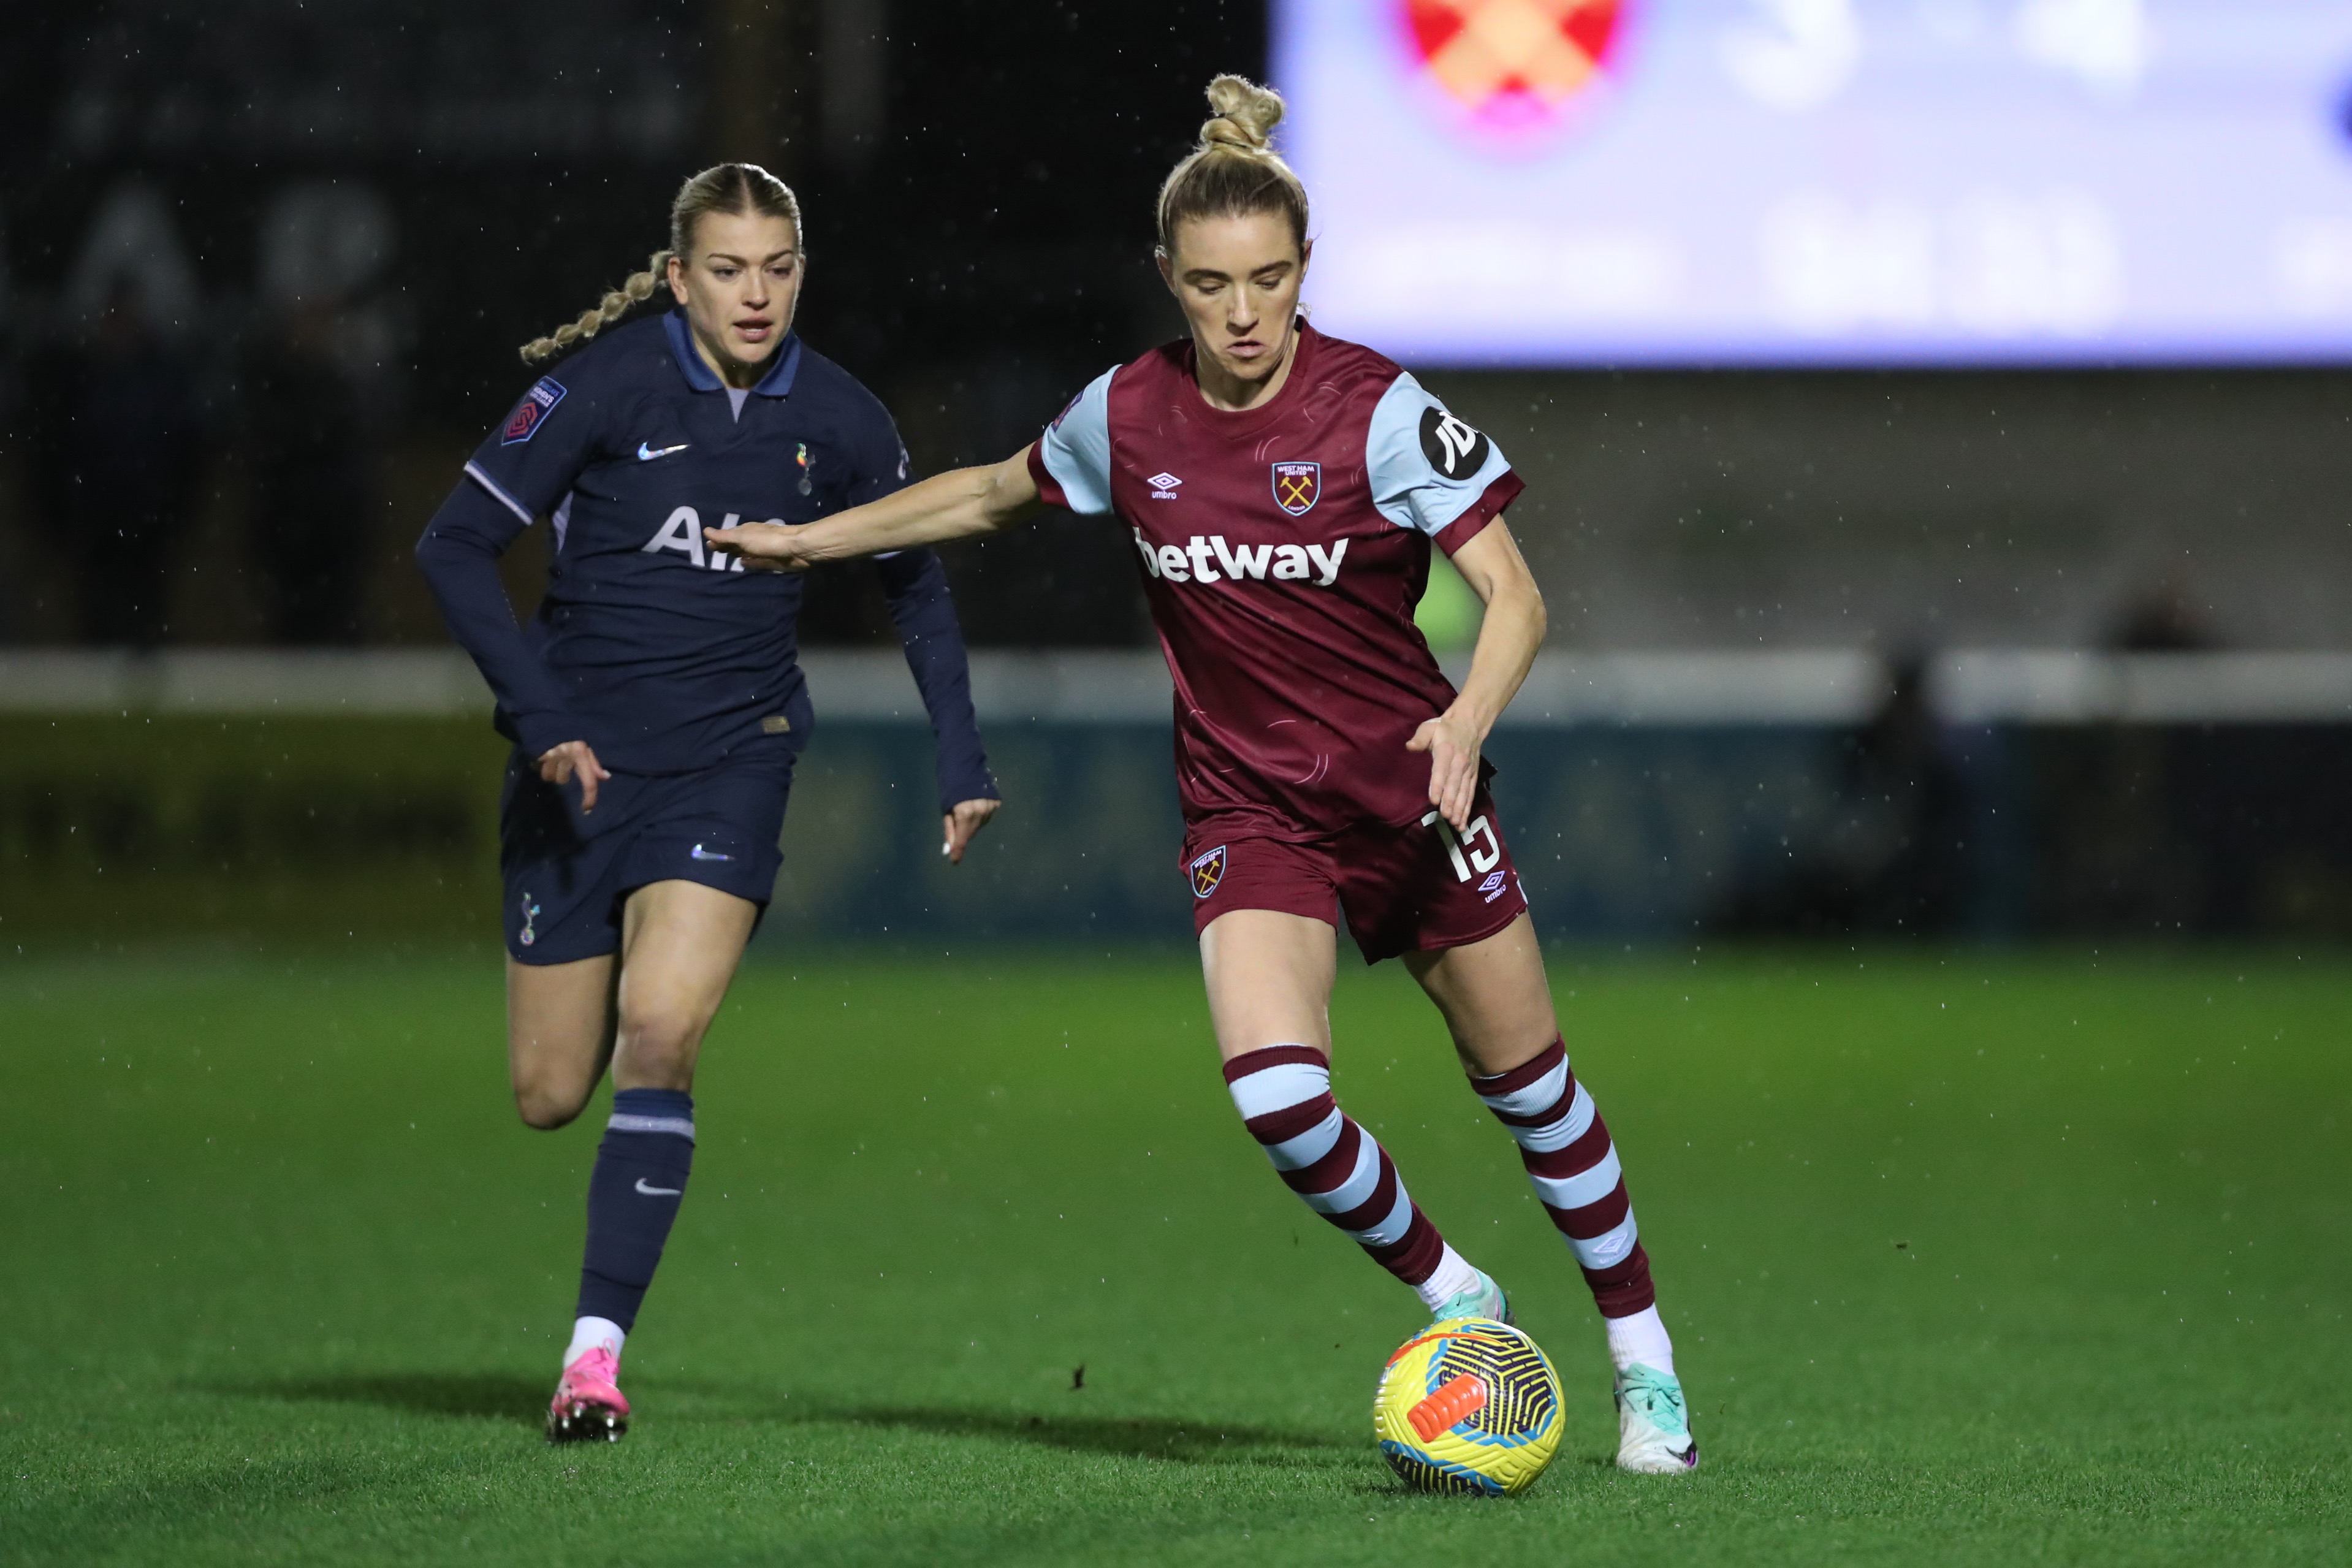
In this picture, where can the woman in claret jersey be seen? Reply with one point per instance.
(1283, 489)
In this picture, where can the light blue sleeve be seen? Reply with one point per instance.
(1074, 451)
(1427, 467)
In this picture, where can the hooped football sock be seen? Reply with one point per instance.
(1284, 1094)
(594, 1334)
(1573, 1165)
(1640, 1340)
(632, 1198)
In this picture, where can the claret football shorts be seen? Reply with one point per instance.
(1421, 888)
(567, 876)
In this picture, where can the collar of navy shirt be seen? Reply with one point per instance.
(777, 382)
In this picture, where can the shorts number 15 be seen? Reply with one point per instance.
(1479, 860)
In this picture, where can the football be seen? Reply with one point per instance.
(1468, 1405)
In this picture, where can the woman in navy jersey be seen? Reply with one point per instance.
(656, 701)
(1282, 490)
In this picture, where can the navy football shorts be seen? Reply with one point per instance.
(567, 875)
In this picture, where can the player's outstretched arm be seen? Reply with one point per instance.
(1507, 639)
(953, 505)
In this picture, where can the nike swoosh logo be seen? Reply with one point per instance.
(647, 451)
(658, 1192)
(699, 853)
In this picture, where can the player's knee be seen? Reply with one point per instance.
(660, 1047)
(546, 1106)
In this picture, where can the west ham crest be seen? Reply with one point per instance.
(1208, 869)
(1296, 487)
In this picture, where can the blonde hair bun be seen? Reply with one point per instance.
(1246, 115)
(1235, 171)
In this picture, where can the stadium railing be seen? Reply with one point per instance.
(1650, 795)
(1669, 687)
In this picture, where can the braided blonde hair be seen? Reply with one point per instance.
(737, 189)
(1234, 170)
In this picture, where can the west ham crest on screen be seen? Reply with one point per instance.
(1296, 487)
(532, 411)
(1517, 66)
(1208, 870)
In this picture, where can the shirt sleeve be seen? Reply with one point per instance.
(529, 463)
(1071, 462)
(460, 557)
(1431, 472)
(926, 618)
(878, 458)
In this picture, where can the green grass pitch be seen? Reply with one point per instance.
(1971, 1259)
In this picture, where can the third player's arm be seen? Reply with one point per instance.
(1507, 639)
(953, 505)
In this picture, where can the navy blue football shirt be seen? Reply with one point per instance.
(661, 654)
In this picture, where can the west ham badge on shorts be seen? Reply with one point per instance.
(1297, 487)
(1208, 870)
(532, 411)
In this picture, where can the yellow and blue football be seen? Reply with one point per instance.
(1468, 1405)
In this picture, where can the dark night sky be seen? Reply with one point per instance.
(528, 152)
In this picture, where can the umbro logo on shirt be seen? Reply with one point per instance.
(1163, 486)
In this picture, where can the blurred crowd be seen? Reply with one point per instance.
(141, 402)
(124, 426)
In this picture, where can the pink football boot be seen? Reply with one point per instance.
(588, 1406)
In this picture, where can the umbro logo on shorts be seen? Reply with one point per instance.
(1208, 870)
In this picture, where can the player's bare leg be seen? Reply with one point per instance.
(1497, 1005)
(1269, 980)
(681, 943)
(1495, 996)
(559, 1035)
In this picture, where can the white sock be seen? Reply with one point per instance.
(1640, 1338)
(595, 1334)
(1454, 1276)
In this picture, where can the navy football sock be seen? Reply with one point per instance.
(633, 1197)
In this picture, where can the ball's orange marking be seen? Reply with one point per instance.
(1456, 1399)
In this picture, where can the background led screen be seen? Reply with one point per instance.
(1827, 180)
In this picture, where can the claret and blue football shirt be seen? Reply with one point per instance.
(1283, 550)
(661, 654)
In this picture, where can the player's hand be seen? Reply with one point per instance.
(963, 824)
(1452, 742)
(573, 759)
(763, 546)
